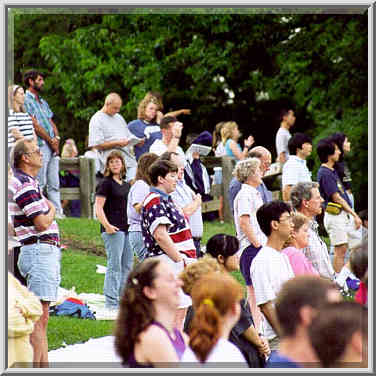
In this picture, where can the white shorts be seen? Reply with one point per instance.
(177, 267)
(341, 229)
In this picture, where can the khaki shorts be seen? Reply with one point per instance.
(177, 267)
(341, 229)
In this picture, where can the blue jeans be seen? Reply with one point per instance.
(119, 265)
(39, 263)
(48, 176)
(136, 241)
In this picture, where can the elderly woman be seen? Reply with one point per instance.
(298, 240)
(248, 231)
(230, 135)
(20, 123)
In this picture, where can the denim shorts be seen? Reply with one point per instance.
(39, 263)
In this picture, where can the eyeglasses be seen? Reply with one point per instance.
(34, 151)
(287, 218)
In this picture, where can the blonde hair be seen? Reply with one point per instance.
(227, 130)
(112, 97)
(12, 91)
(246, 168)
(69, 149)
(149, 98)
(193, 272)
(298, 220)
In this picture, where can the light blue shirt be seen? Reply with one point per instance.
(183, 196)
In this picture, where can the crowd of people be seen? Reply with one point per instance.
(176, 304)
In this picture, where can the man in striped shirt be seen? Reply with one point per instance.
(48, 137)
(165, 229)
(37, 231)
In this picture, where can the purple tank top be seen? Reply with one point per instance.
(178, 344)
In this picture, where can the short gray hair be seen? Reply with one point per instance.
(300, 192)
(246, 168)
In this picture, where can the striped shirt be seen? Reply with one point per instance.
(27, 203)
(41, 111)
(159, 209)
(21, 121)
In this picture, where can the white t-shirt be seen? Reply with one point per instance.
(247, 201)
(104, 128)
(159, 147)
(295, 171)
(269, 270)
(282, 140)
(223, 351)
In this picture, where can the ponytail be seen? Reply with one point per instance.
(205, 330)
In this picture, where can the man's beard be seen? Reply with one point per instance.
(37, 88)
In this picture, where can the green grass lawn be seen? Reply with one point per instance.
(78, 269)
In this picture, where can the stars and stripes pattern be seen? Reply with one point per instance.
(158, 210)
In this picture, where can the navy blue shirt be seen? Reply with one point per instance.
(277, 360)
(330, 183)
(150, 132)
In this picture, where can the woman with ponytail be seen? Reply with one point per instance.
(221, 256)
(216, 301)
(145, 335)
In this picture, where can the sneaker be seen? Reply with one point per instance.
(60, 216)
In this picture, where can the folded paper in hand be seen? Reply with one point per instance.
(134, 141)
(201, 149)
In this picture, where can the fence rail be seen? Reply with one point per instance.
(86, 192)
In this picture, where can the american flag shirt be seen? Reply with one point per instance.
(159, 209)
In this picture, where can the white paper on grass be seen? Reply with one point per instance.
(201, 149)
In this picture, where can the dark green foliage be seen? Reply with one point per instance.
(316, 63)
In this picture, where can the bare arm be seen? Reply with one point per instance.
(282, 157)
(269, 312)
(43, 221)
(112, 144)
(286, 192)
(179, 112)
(164, 241)
(138, 207)
(246, 227)
(336, 197)
(99, 204)
(189, 209)
(252, 336)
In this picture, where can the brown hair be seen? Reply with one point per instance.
(193, 272)
(115, 154)
(217, 134)
(298, 220)
(213, 296)
(304, 290)
(332, 330)
(143, 164)
(136, 310)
